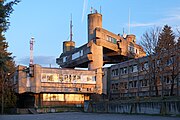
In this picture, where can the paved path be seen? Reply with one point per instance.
(83, 116)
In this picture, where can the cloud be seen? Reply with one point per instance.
(171, 18)
(141, 24)
(84, 9)
(41, 60)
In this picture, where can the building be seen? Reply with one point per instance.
(149, 76)
(46, 87)
(103, 47)
(43, 87)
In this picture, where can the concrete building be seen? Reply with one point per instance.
(53, 86)
(41, 86)
(103, 47)
(149, 76)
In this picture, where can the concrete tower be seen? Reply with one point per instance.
(94, 21)
(69, 45)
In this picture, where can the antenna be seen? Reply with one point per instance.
(31, 50)
(91, 9)
(100, 10)
(71, 29)
(129, 21)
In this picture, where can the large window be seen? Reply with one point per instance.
(63, 97)
(68, 78)
(77, 54)
(53, 97)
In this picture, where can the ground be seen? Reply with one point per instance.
(83, 116)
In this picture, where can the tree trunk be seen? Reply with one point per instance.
(156, 87)
(2, 95)
(172, 88)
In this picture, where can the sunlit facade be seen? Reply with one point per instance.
(53, 86)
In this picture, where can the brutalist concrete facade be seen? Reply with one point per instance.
(103, 47)
(53, 86)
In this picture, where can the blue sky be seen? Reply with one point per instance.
(48, 22)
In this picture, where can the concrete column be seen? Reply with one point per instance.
(96, 64)
(36, 80)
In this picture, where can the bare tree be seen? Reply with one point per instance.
(149, 40)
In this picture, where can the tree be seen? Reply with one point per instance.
(149, 42)
(166, 40)
(163, 59)
(7, 65)
(166, 48)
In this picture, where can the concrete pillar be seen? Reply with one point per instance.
(36, 80)
(94, 20)
(96, 64)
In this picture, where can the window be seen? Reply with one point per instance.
(130, 69)
(125, 85)
(111, 39)
(131, 47)
(53, 97)
(121, 71)
(135, 68)
(130, 84)
(75, 55)
(81, 53)
(115, 72)
(65, 59)
(125, 70)
(146, 66)
(135, 83)
(137, 51)
(116, 86)
(143, 83)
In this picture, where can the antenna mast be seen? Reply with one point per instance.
(31, 50)
(71, 34)
(129, 21)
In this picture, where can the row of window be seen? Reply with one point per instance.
(74, 56)
(142, 83)
(131, 84)
(63, 97)
(111, 39)
(130, 69)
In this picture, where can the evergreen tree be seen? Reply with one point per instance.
(7, 65)
(168, 56)
(166, 40)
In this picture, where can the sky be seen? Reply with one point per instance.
(48, 22)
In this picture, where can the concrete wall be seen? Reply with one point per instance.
(163, 107)
(37, 85)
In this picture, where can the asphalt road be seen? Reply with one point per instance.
(83, 116)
